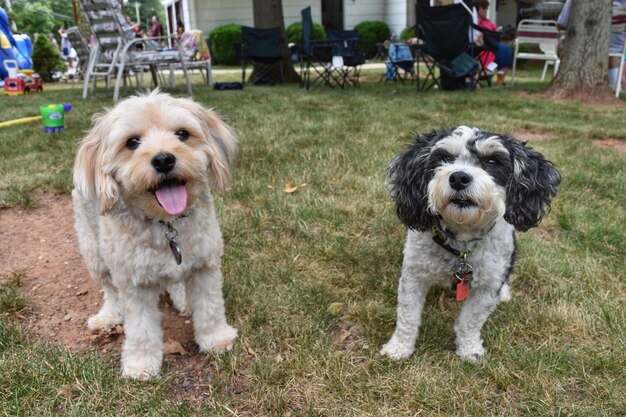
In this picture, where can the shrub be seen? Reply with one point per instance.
(294, 32)
(46, 58)
(408, 33)
(371, 33)
(223, 38)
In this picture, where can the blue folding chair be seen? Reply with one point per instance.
(400, 63)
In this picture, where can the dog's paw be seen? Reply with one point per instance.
(140, 373)
(505, 293)
(472, 354)
(396, 350)
(104, 321)
(141, 368)
(218, 341)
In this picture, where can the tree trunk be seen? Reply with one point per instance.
(583, 73)
(269, 14)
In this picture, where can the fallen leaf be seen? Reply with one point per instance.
(250, 351)
(171, 346)
(290, 188)
(335, 308)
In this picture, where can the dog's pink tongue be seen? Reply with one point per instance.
(173, 198)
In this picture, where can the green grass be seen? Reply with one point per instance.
(311, 276)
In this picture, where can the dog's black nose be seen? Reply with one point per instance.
(163, 162)
(459, 180)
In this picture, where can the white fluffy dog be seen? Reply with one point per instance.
(145, 221)
(462, 193)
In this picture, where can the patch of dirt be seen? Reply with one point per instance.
(60, 294)
(619, 145)
(527, 135)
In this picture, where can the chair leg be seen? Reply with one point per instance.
(545, 69)
(618, 85)
(556, 67)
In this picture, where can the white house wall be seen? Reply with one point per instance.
(396, 15)
(206, 15)
(392, 12)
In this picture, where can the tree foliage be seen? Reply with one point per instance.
(46, 59)
(34, 17)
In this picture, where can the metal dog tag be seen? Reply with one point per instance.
(170, 235)
(178, 255)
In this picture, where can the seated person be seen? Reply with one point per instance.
(180, 29)
(500, 59)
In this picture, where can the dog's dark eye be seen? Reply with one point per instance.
(182, 134)
(492, 162)
(133, 143)
(442, 156)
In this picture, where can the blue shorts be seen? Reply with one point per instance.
(616, 44)
(504, 56)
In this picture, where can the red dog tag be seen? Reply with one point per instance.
(462, 289)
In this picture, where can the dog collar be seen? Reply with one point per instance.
(461, 281)
(440, 237)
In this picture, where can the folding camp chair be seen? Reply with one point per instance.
(400, 63)
(116, 52)
(542, 34)
(316, 58)
(344, 45)
(266, 50)
(444, 44)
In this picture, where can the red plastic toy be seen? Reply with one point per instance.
(25, 82)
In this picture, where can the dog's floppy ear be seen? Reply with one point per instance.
(407, 182)
(91, 177)
(221, 145)
(534, 182)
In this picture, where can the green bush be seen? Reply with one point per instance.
(371, 33)
(408, 33)
(46, 58)
(294, 32)
(223, 38)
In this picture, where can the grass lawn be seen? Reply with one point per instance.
(311, 276)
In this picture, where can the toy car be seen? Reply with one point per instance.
(23, 83)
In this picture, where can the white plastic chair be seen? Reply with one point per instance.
(618, 25)
(116, 53)
(545, 35)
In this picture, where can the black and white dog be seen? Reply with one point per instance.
(463, 192)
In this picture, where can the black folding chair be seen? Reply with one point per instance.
(316, 58)
(444, 44)
(265, 49)
(344, 45)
